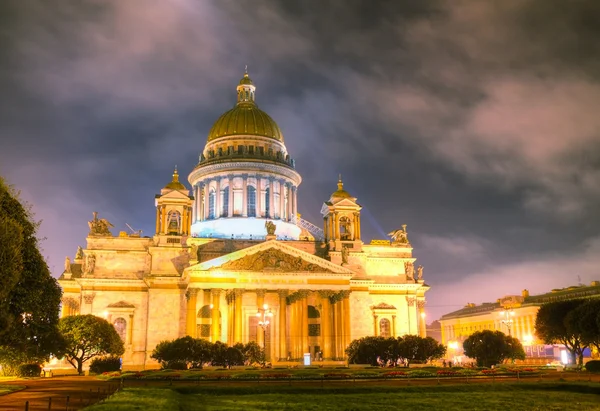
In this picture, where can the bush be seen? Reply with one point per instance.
(175, 365)
(593, 366)
(29, 370)
(100, 365)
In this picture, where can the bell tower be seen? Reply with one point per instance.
(341, 219)
(174, 209)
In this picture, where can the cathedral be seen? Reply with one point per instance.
(231, 259)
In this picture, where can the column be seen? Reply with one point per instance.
(281, 199)
(326, 324)
(271, 196)
(347, 330)
(288, 212)
(258, 196)
(182, 229)
(336, 225)
(412, 314)
(375, 325)
(214, 315)
(325, 229)
(129, 339)
(358, 226)
(158, 220)
(293, 326)
(260, 300)
(330, 225)
(190, 328)
(218, 198)
(230, 205)
(421, 319)
(304, 305)
(338, 327)
(295, 202)
(283, 349)
(205, 200)
(230, 320)
(394, 326)
(194, 211)
(244, 195)
(238, 317)
(163, 228)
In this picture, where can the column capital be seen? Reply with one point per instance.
(191, 292)
(230, 176)
(325, 293)
(89, 298)
(421, 304)
(282, 293)
(410, 301)
(245, 176)
(271, 178)
(238, 292)
(261, 292)
(215, 292)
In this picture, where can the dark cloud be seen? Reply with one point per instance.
(473, 122)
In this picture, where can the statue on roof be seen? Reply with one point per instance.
(67, 265)
(99, 227)
(79, 253)
(270, 226)
(90, 264)
(409, 269)
(399, 236)
(420, 272)
(345, 255)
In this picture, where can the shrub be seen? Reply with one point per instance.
(100, 365)
(175, 365)
(247, 376)
(593, 366)
(29, 370)
(420, 374)
(393, 374)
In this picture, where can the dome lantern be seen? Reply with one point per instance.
(246, 89)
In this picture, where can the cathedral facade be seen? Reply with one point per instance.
(231, 260)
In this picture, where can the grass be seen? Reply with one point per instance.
(500, 397)
(7, 389)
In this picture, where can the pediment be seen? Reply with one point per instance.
(272, 257)
(175, 194)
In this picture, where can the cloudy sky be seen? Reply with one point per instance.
(476, 123)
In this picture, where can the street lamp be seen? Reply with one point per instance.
(264, 316)
(507, 319)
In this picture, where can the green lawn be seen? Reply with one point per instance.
(501, 397)
(7, 389)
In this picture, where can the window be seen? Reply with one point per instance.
(345, 227)
(384, 327)
(211, 204)
(251, 201)
(121, 327)
(173, 222)
(225, 202)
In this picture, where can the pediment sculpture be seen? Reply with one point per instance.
(99, 227)
(273, 260)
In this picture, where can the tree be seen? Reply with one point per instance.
(367, 350)
(252, 352)
(86, 336)
(585, 321)
(492, 347)
(225, 356)
(553, 326)
(430, 349)
(201, 353)
(29, 296)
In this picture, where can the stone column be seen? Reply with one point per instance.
(244, 195)
(295, 202)
(214, 315)
(258, 196)
(293, 326)
(163, 226)
(288, 212)
(238, 316)
(283, 349)
(281, 200)
(271, 213)
(346, 322)
(158, 220)
(194, 210)
(218, 198)
(260, 300)
(326, 323)
(205, 199)
(375, 328)
(336, 225)
(304, 305)
(129, 338)
(330, 225)
(230, 178)
(412, 316)
(422, 324)
(394, 326)
(230, 316)
(338, 328)
(190, 328)
(183, 222)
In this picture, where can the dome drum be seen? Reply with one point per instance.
(246, 153)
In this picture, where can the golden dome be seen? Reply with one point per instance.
(175, 184)
(245, 117)
(340, 193)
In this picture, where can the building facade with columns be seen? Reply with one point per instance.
(234, 248)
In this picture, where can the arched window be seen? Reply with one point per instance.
(121, 327)
(211, 204)
(251, 201)
(225, 202)
(173, 222)
(267, 202)
(384, 328)
(345, 228)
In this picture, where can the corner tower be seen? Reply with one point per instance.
(174, 208)
(245, 176)
(341, 219)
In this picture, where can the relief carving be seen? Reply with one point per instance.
(272, 260)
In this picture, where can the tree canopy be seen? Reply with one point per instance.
(29, 295)
(489, 348)
(555, 324)
(86, 336)
(381, 350)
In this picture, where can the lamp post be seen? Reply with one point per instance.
(264, 316)
(507, 319)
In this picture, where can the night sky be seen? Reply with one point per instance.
(474, 122)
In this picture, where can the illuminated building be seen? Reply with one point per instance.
(513, 315)
(234, 244)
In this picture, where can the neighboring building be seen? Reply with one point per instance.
(514, 315)
(234, 249)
